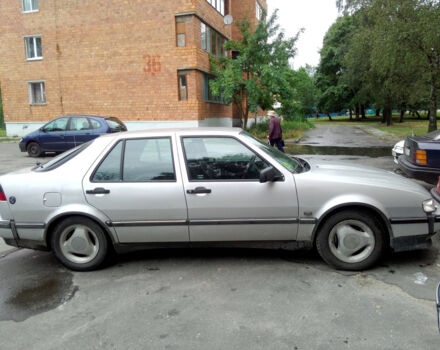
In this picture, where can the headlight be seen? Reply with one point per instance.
(429, 206)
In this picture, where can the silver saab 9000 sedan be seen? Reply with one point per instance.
(209, 187)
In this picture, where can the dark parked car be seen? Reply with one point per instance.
(66, 132)
(421, 157)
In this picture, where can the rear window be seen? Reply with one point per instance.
(62, 158)
(115, 124)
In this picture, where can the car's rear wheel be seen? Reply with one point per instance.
(80, 244)
(351, 240)
(34, 149)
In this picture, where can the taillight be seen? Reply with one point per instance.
(2, 195)
(438, 186)
(420, 157)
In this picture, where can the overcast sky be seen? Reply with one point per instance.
(315, 16)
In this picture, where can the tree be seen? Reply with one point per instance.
(405, 44)
(334, 92)
(260, 75)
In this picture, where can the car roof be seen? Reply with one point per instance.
(213, 131)
(82, 115)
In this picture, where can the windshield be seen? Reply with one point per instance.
(290, 164)
(62, 158)
(433, 135)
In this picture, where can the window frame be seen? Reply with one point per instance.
(32, 10)
(34, 43)
(217, 5)
(223, 137)
(30, 83)
(179, 77)
(258, 10)
(122, 160)
(210, 44)
(205, 90)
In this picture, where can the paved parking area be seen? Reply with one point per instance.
(217, 299)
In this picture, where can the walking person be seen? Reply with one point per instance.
(275, 132)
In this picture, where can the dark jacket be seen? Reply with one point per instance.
(275, 131)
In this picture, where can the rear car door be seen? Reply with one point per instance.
(138, 185)
(226, 201)
(54, 135)
(80, 130)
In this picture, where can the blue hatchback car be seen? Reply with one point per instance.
(67, 132)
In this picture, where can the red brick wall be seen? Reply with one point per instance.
(107, 57)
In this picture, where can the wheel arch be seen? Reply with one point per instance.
(62, 216)
(376, 212)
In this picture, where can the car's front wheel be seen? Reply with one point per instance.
(34, 149)
(80, 244)
(351, 240)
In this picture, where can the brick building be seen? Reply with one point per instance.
(143, 61)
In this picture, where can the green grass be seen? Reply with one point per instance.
(291, 129)
(2, 132)
(409, 126)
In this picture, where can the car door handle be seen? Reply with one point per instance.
(199, 190)
(98, 190)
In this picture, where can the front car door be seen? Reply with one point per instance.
(226, 201)
(54, 137)
(138, 185)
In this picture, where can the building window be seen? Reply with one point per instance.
(259, 10)
(37, 93)
(33, 47)
(207, 94)
(219, 5)
(212, 41)
(30, 5)
(181, 22)
(183, 87)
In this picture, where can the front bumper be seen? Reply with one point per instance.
(22, 146)
(417, 171)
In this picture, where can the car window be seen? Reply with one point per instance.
(110, 169)
(148, 160)
(115, 124)
(290, 164)
(94, 123)
(59, 124)
(144, 160)
(79, 123)
(221, 158)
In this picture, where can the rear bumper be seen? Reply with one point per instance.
(8, 232)
(417, 171)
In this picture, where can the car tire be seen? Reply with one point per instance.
(34, 149)
(80, 244)
(351, 240)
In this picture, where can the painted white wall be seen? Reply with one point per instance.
(23, 128)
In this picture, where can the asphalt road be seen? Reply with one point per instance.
(219, 299)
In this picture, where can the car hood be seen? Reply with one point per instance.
(32, 134)
(364, 175)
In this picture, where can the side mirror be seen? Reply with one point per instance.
(438, 306)
(42, 129)
(270, 175)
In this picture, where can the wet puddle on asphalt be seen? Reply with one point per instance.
(373, 152)
(34, 292)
